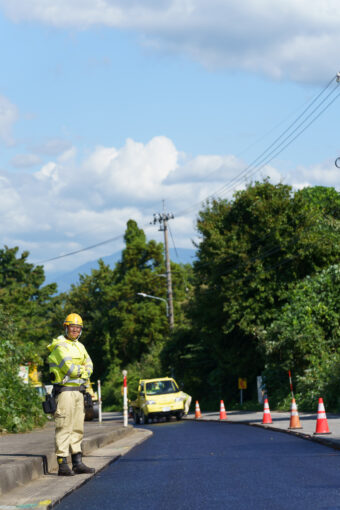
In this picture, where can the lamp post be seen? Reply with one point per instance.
(155, 297)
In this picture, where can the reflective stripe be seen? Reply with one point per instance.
(61, 344)
(70, 370)
(75, 381)
(62, 363)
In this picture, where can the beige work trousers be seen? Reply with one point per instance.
(187, 403)
(69, 423)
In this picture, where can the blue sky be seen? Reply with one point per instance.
(106, 108)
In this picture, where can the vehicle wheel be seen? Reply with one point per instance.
(143, 418)
(136, 417)
(95, 410)
(167, 418)
(178, 416)
(89, 414)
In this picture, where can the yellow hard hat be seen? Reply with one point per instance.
(74, 319)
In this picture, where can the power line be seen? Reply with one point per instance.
(120, 236)
(275, 152)
(248, 171)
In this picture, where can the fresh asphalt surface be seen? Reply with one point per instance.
(190, 465)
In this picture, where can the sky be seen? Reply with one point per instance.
(110, 107)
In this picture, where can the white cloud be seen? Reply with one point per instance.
(52, 147)
(12, 212)
(25, 160)
(205, 168)
(68, 204)
(291, 39)
(325, 174)
(8, 116)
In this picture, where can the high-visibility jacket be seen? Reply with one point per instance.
(69, 362)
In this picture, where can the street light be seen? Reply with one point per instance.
(155, 297)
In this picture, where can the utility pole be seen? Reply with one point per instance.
(162, 219)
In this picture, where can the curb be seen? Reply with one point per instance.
(331, 443)
(49, 490)
(31, 467)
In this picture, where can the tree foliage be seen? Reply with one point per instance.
(305, 338)
(20, 405)
(30, 304)
(122, 329)
(253, 250)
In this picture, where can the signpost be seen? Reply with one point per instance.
(242, 385)
(99, 401)
(125, 402)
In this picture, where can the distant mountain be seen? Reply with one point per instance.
(65, 280)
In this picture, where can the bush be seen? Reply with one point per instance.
(305, 338)
(20, 405)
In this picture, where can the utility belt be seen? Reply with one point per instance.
(59, 388)
(50, 404)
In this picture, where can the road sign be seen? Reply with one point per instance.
(242, 384)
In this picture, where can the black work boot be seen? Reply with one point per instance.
(78, 466)
(64, 468)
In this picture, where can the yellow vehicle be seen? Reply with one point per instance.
(157, 398)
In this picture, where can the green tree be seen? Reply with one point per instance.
(253, 250)
(122, 329)
(20, 405)
(30, 304)
(305, 338)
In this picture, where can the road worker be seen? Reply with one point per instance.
(70, 368)
(186, 401)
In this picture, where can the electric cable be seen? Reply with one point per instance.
(236, 180)
(246, 172)
(120, 236)
(275, 152)
(173, 242)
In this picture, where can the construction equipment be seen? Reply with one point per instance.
(91, 402)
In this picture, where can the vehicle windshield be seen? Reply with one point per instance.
(160, 387)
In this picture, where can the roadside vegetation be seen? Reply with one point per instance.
(261, 298)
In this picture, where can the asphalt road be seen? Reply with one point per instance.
(190, 465)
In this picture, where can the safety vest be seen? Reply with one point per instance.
(69, 362)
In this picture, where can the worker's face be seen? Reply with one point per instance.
(73, 331)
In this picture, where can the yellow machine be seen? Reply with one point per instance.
(158, 398)
(91, 402)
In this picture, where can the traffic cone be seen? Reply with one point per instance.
(223, 414)
(197, 411)
(266, 413)
(321, 422)
(294, 416)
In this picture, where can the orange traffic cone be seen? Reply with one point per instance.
(197, 410)
(223, 414)
(266, 413)
(321, 422)
(294, 416)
